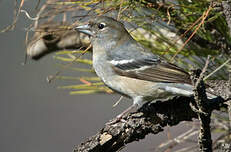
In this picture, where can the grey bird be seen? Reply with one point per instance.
(128, 68)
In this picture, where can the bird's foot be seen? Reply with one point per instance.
(119, 118)
(115, 120)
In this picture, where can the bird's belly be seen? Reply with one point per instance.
(132, 87)
(148, 90)
(135, 87)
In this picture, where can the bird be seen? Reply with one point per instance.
(130, 69)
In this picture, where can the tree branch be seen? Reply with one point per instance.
(203, 110)
(151, 118)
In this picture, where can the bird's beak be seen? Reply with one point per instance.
(84, 29)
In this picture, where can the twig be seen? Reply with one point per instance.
(217, 69)
(28, 16)
(203, 72)
(168, 14)
(187, 149)
(177, 140)
(204, 16)
(16, 15)
(53, 77)
(117, 102)
(37, 5)
(182, 35)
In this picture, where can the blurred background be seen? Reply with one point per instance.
(37, 116)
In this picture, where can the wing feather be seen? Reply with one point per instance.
(153, 70)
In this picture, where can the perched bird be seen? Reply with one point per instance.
(128, 68)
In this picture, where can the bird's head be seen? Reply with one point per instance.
(103, 29)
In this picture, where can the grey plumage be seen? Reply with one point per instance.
(130, 69)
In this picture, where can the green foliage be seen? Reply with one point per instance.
(159, 26)
(92, 84)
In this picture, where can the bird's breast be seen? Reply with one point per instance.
(105, 72)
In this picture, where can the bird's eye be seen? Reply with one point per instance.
(101, 25)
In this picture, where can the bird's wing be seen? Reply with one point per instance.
(155, 70)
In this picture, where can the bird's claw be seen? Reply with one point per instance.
(117, 119)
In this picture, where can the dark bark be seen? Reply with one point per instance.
(203, 111)
(151, 118)
(227, 13)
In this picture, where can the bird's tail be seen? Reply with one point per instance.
(186, 90)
